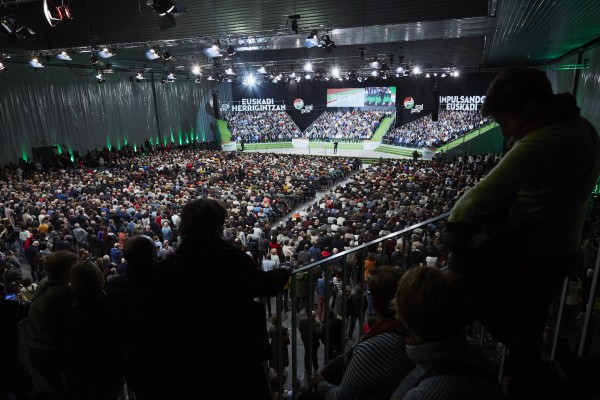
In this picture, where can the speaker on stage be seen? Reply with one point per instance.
(436, 105)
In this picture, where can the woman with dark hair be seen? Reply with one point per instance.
(92, 368)
(199, 357)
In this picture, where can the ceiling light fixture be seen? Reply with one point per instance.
(327, 43)
(166, 55)
(167, 11)
(14, 29)
(55, 14)
(312, 40)
(35, 63)
(63, 56)
(152, 53)
(106, 53)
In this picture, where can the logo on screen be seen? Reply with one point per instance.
(409, 102)
(298, 104)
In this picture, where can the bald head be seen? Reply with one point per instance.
(139, 251)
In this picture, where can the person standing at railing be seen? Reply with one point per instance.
(531, 193)
(214, 331)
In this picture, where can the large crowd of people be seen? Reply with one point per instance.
(95, 209)
(343, 126)
(425, 132)
(346, 126)
(261, 126)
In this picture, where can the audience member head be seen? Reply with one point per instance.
(519, 98)
(202, 218)
(140, 253)
(87, 280)
(58, 265)
(383, 283)
(432, 304)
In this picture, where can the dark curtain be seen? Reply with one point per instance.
(67, 108)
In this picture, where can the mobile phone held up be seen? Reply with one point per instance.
(11, 296)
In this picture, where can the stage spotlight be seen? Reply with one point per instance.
(231, 50)
(229, 71)
(94, 60)
(168, 78)
(152, 54)
(374, 73)
(327, 43)
(308, 67)
(55, 14)
(335, 72)
(196, 70)
(100, 77)
(250, 80)
(312, 40)
(106, 53)
(35, 63)
(294, 18)
(10, 26)
(307, 77)
(2, 67)
(166, 55)
(167, 11)
(261, 70)
(213, 51)
(63, 56)
(139, 76)
(416, 70)
(162, 7)
(400, 70)
(198, 80)
(455, 74)
(443, 75)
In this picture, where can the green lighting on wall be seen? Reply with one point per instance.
(172, 137)
(108, 145)
(24, 155)
(180, 137)
(71, 153)
(119, 144)
(59, 149)
(135, 148)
